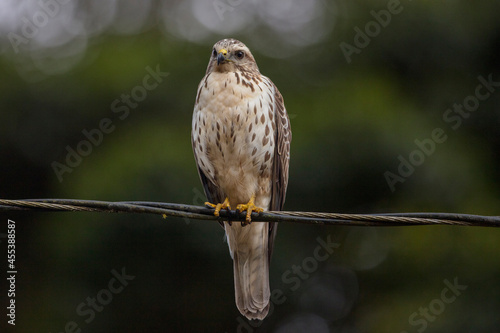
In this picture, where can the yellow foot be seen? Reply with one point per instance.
(219, 206)
(249, 207)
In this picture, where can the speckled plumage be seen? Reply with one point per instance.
(241, 142)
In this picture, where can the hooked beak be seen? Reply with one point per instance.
(222, 56)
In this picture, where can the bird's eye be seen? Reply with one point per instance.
(240, 54)
(214, 53)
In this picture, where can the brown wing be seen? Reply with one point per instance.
(212, 191)
(283, 137)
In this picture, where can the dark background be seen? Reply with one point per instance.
(352, 117)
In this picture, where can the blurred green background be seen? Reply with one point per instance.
(67, 65)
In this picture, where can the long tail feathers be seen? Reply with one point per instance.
(249, 247)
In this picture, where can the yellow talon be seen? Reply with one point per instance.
(249, 207)
(219, 206)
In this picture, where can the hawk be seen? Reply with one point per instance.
(241, 142)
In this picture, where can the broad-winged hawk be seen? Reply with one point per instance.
(241, 142)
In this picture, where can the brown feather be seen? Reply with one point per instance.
(283, 135)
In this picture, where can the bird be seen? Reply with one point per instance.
(241, 138)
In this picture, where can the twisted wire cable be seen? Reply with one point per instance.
(205, 213)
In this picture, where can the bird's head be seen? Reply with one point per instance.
(231, 55)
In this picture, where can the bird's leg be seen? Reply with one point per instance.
(219, 206)
(249, 207)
